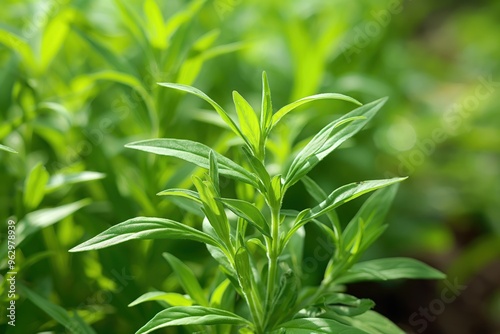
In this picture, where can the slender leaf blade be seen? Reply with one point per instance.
(171, 298)
(286, 109)
(329, 138)
(144, 228)
(248, 120)
(389, 269)
(7, 149)
(316, 325)
(187, 279)
(72, 323)
(249, 212)
(60, 180)
(347, 193)
(223, 114)
(194, 315)
(195, 153)
(34, 186)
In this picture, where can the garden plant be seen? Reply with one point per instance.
(257, 242)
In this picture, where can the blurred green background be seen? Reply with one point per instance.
(78, 81)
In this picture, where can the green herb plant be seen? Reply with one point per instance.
(258, 244)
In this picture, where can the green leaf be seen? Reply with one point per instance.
(319, 196)
(195, 153)
(53, 37)
(21, 47)
(316, 325)
(37, 220)
(132, 82)
(60, 180)
(34, 186)
(286, 109)
(192, 195)
(389, 269)
(285, 297)
(266, 113)
(72, 323)
(194, 315)
(344, 304)
(213, 209)
(347, 193)
(155, 24)
(182, 17)
(371, 215)
(258, 167)
(144, 228)
(214, 171)
(338, 197)
(171, 298)
(116, 61)
(223, 114)
(7, 149)
(217, 299)
(328, 139)
(372, 323)
(247, 282)
(187, 279)
(249, 212)
(249, 123)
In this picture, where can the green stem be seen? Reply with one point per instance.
(273, 250)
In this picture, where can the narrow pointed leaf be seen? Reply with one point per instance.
(187, 279)
(266, 114)
(329, 138)
(195, 153)
(60, 180)
(249, 212)
(349, 192)
(155, 24)
(171, 298)
(374, 323)
(72, 323)
(286, 109)
(223, 114)
(144, 228)
(39, 219)
(34, 187)
(372, 214)
(213, 209)
(316, 325)
(194, 315)
(214, 170)
(389, 269)
(248, 120)
(192, 195)
(7, 149)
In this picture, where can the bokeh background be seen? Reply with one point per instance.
(78, 81)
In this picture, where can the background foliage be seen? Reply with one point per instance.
(78, 81)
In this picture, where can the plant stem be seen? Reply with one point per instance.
(273, 249)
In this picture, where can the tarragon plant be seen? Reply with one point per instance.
(258, 244)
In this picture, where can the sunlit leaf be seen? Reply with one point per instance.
(144, 228)
(8, 149)
(249, 123)
(389, 269)
(34, 186)
(316, 325)
(194, 315)
(195, 153)
(60, 180)
(187, 279)
(286, 109)
(171, 298)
